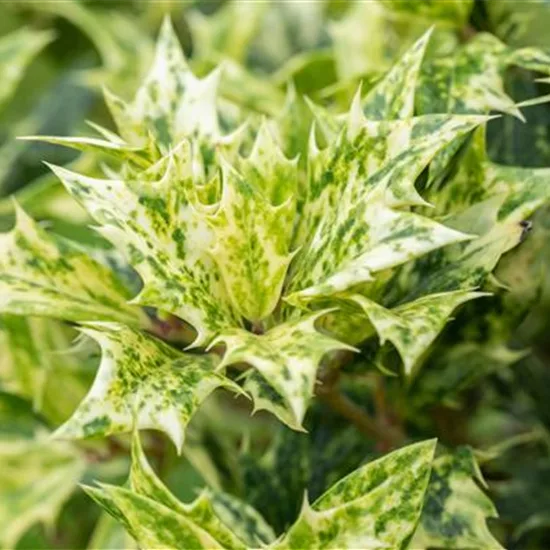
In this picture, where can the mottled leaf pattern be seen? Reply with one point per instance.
(165, 238)
(413, 326)
(456, 508)
(286, 357)
(393, 97)
(172, 103)
(253, 226)
(142, 381)
(377, 506)
(36, 478)
(367, 175)
(42, 275)
(157, 519)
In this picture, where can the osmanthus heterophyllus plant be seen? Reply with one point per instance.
(262, 273)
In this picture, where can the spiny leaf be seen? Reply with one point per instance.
(165, 237)
(172, 104)
(253, 226)
(393, 97)
(36, 478)
(42, 275)
(456, 508)
(353, 212)
(486, 199)
(145, 382)
(471, 80)
(286, 357)
(376, 506)
(155, 518)
(413, 326)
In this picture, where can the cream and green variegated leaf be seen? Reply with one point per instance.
(393, 97)
(165, 237)
(144, 382)
(17, 50)
(43, 275)
(286, 357)
(172, 103)
(36, 478)
(376, 506)
(471, 80)
(366, 154)
(456, 508)
(253, 226)
(157, 519)
(413, 326)
(113, 147)
(486, 199)
(354, 208)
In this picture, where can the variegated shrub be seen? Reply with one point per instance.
(268, 254)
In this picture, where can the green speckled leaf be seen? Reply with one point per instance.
(485, 199)
(456, 508)
(172, 103)
(142, 381)
(162, 230)
(376, 506)
(253, 226)
(286, 357)
(157, 519)
(413, 326)
(355, 221)
(36, 478)
(393, 97)
(17, 50)
(472, 81)
(42, 275)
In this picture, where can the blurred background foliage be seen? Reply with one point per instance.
(486, 385)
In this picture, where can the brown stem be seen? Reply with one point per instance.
(328, 391)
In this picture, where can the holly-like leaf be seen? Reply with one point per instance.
(253, 227)
(354, 221)
(165, 236)
(286, 358)
(376, 506)
(483, 198)
(157, 519)
(471, 80)
(36, 478)
(17, 50)
(47, 276)
(144, 382)
(456, 508)
(393, 97)
(172, 104)
(413, 326)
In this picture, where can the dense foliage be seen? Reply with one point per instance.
(289, 289)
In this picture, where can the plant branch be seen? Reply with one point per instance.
(329, 392)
